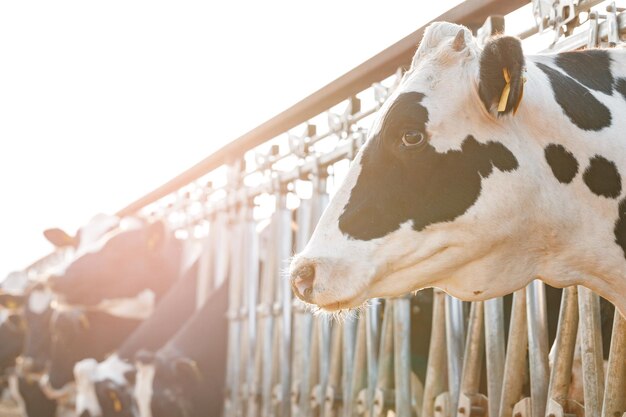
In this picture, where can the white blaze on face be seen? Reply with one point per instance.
(143, 388)
(85, 374)
(39, 300)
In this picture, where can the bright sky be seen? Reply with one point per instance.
(100, 102)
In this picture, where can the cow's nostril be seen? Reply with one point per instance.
(302, 281)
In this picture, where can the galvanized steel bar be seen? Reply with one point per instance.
(359, 373)
(349, 366)
(385, 378)
(455, 341)
(563, 357)
(283, 254)
(319, 394)
(251, 278)
(303, 323)
(436, 368)
(591, 350)
(494, 352)
(372, 314)
(615, 393)
(515, 369)
(474, 346)
(402, 355)
(537, 346)
(332, 398)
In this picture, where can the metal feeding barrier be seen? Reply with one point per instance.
(255, 203)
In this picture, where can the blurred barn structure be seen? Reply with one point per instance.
(253, 204)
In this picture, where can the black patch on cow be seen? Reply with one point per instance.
(620, 226)
(563, 164)
(580, 106)
(591, 68)
(620, 86)
(499, 53)
(396, 185)
(602, 177)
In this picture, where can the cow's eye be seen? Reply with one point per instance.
(413, 139)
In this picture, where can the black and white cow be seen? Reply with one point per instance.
(484, 170)
(185, 378)
(12, 334)
(147, 252)
(105, 389)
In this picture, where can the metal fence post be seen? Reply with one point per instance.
(455, 340)
(537, 346)
(436, 368)
(564, 347)
(591, 350)
(615, 393)
(515, 370)
(402, 355)
(494, 352)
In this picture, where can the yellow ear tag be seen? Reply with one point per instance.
(117, 405)
(11, 304)
(506, 91)
(84, 321)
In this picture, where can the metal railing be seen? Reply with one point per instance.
(256, 202)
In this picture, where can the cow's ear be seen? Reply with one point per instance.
(60, 238)
(501, 84)
(187, 370)
(156, 234)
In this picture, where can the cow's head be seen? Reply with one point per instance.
(175, 385)
(120, 263)
(457, 189)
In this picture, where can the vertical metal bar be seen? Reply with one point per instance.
(473, 356)
(494, 352)
(359, 375)
(333, 389)
(455, 339)
(402, 355)
(349, 353)
(515, 370)
(266, 311)
(372, 314)
(324, 363)
(251, 257)
(314, 374)
(284, 253)
(384, 380)
(436, 370)
(564, 347)
(537, 346)
(234, 333)
(591, 350)
(615, 393)
(303, 323)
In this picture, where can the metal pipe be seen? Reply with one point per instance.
(537, 346)
(494, 352)
(384, 378)
(515, 370)
(564, 347)
(251, 276)
(359, 374)
(615, 393)
(473, 356)
(372, 316)
(349, 365)
(402, 355)
(455, 339)
(283, 255)
(436, 369)
(591, 350)
(333, 389)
